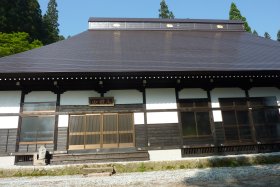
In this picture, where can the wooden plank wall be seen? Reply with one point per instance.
(140, 136)
(164, 135)
(7, 141)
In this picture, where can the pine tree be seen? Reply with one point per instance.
(164, 11)
(51, 25)
(235, 14)
(171, 15)
(21, 16)
(278, 36)
(266, 35)
(255, 33)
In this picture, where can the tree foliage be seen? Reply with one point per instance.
(255, 33)
(16, 43)
(21, 16)
(51, 24)
(164, 11)
(267, 36)
(278, 36)
(235, 14)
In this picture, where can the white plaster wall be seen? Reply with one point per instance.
(40, 96)
(265, 92)
(63, 120)
(8, 122)
(139, 118)
(162, 117)
(192, 93)
(125, 96)
(10, 101)
(77, 97)
(161, 98)
(7, 161)
(223, 93)
(160, 155)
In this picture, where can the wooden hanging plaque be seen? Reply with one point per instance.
(101, 101)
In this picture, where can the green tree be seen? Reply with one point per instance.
(255, 33)
(235, 14)
(267, 36)
(278, 36)
(16, 43)
(51, 24)
(171, 15)
(164, 11)
(21, 16)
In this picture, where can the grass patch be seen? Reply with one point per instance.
(145, 166)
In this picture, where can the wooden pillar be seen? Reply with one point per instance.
(145, 117)
(22, 97)
(177, 89)
(58, 93)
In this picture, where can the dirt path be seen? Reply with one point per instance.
(265, 175)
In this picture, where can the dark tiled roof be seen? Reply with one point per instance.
(149, 51)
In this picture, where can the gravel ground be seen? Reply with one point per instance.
(264, 175)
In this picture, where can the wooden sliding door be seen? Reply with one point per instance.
(108, 130)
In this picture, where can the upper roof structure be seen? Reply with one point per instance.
(151, 45)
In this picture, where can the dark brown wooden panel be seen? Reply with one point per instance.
(140, 136)
(164, 135)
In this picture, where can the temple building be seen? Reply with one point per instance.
(142, 89)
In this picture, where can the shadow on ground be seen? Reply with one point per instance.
(236, 176)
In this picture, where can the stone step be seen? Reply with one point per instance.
(98, 174)
(99, 170)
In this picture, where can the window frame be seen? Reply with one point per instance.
(249, 108)
(39, 114)
(195, 108)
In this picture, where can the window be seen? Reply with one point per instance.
(195, 117)
(265, 116)
(39, 107)
(261, 114)
(37, 128)
(236, 119)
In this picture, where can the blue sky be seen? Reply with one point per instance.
(262, 15)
